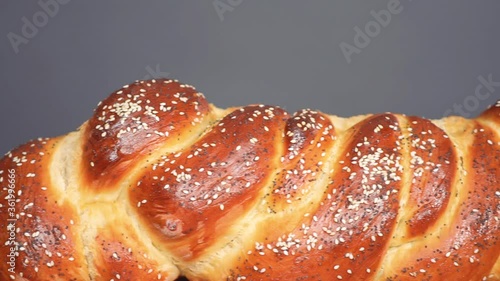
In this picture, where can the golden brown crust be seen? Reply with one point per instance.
(159, 183)
(135, 121)
(431, 170)
(466, 247)
(344, 233)
(219, 177)
(308, 137)
(118, 256)
(46, 223)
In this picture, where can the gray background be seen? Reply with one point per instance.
(286, 53)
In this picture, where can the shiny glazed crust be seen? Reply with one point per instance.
(160, 184)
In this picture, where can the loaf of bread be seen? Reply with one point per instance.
(159, 184)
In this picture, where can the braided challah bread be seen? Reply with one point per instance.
(160, 184)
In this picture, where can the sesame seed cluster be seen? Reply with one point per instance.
(160, 184)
